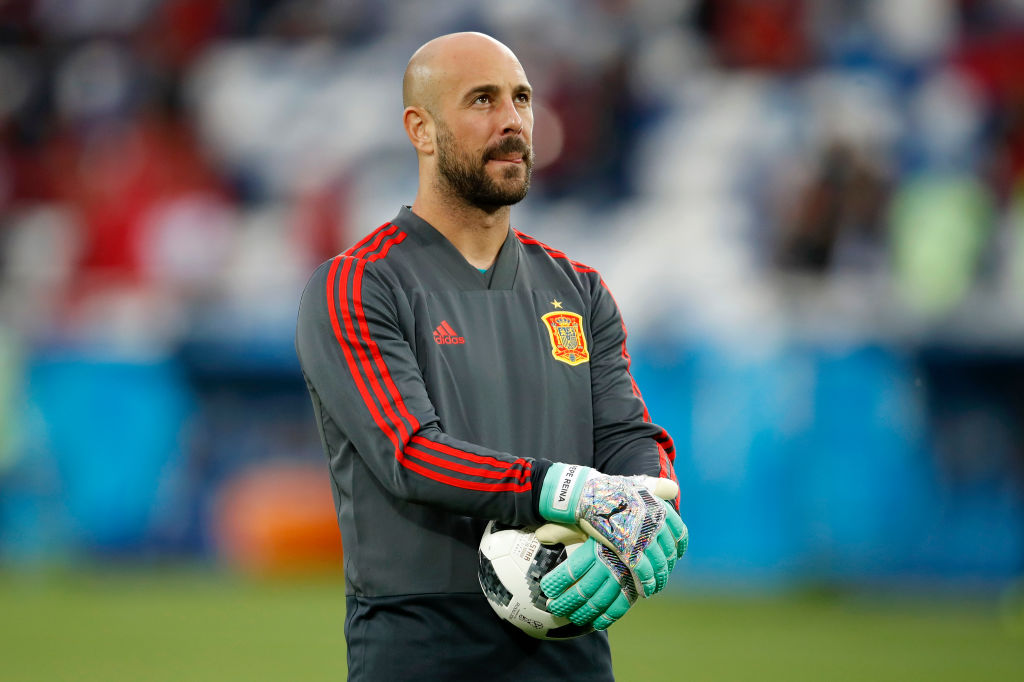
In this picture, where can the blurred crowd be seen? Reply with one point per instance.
(160, 159)
(746, 174)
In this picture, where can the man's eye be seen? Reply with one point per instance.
(523, 97)
(483, 99)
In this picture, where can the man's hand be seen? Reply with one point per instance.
(643, 533)
(592, 586)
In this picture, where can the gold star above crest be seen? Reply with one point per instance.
(555, 302)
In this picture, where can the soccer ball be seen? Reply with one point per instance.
(512, 562)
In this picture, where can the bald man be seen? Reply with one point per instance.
(461, 371)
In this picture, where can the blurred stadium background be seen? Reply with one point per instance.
(811, 213)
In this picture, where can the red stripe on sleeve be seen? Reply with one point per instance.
(371, 345)
(362, 242)
(469, 456)
(415, 451)
(467, 485)
(387, 401)
(663, 463)
(355, 367)
(554, 253)
(379, 235)
(349, 360)
(399, 238)
(666, 442)
(373, 350)
(666, 470)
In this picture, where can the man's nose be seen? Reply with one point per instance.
(512, 121)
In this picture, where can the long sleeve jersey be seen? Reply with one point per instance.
(442, 394)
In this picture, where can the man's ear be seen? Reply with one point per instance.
(419, 126)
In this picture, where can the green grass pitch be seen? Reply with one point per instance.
(195, 626)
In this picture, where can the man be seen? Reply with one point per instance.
(461, 371)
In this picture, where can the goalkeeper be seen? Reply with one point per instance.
(462, 371)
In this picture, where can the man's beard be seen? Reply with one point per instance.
(468, 179)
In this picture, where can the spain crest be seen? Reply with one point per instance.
(568, 343)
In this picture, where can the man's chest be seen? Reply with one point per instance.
(521, 358)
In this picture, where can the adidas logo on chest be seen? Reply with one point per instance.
(444, 335)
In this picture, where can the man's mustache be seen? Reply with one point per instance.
(510, 145)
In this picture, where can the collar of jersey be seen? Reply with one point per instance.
(502, 275)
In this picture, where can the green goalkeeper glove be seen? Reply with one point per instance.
(591, 587)
(644, 534)
(582, 589)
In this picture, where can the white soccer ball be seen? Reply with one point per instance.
(512, 562)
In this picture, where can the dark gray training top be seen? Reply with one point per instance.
(442, 394)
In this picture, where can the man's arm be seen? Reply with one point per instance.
(364, 373)
(625, 440)
(593, 586)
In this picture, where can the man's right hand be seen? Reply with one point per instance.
(591, 587)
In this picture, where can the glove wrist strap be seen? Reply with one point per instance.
(561, 491)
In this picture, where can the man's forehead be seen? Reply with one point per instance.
(494, 69)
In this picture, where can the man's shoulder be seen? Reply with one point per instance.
(535, 249)
(377, 245)
(377, 252)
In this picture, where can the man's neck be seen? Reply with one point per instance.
(477, 234)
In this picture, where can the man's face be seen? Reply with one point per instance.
(484, 132)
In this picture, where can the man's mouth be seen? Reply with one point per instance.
(507, 158)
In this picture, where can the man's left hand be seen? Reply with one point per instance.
(594, 586)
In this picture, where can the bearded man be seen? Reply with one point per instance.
(461, 371)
